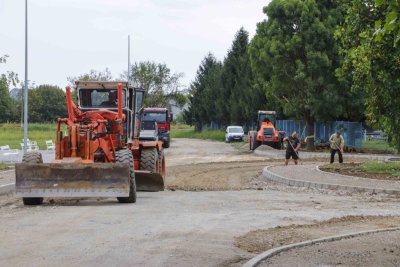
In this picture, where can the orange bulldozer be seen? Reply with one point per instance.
(98, 151)
(266, 133)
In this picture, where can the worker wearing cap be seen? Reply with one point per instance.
(337, 145)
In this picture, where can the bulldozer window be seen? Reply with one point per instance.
(99, 98)
(267, 117)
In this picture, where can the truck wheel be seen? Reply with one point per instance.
(32, 157)
(149, 160)
(161, 163)
(125, 156)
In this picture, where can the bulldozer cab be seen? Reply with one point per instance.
(97, 96)
(266, 116)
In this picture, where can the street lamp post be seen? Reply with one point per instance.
(26, 81)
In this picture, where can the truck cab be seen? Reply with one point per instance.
(162, 118)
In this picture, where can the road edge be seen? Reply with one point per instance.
(272, 252)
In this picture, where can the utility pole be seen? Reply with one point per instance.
(129, 58)
(26, 81)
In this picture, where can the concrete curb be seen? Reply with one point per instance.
(300, 183)
(272, 252)
(7, 188)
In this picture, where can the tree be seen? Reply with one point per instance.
(203, 93)
(8, 108)
(389, 23)
(372, 65)
(295, 55)
(46, 104)
(237, 104)
(158, 81)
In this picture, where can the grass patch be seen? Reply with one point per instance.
(378, 145)
(392, 168)
(12, 134)
(184, 131)
(4, 166)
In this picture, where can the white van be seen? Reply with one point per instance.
(234, 133)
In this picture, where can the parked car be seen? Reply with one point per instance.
(234, 133)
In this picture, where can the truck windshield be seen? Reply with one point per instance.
(155, 116)
(100, 98)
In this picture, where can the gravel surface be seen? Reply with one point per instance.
(7, 177)
(379, 249)
(311, 174)
(216, 176)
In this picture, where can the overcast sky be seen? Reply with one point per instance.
(70, 37)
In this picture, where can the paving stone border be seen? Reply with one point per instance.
(300, 183)
(274, 251)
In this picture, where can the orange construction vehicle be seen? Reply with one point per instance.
(98, 151)
(266, 132)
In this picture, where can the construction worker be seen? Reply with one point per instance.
(293, 147)
(337, 145)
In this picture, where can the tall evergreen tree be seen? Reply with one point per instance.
(237, 103)
(203, 93)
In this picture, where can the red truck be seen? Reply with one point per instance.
(163, 119)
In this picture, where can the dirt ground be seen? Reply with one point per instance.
(215, 199)
(261, 240)
(216, 176)
(353, 169)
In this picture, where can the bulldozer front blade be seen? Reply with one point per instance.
(72, 180)
(148, 181)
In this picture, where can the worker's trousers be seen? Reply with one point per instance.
(333, 152)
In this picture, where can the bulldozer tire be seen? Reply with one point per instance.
(123, 156)
(32, 157)
(161, 163)
(149, 160)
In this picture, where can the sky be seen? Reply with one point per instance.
(67, 38)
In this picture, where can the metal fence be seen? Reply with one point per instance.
(289, 126)
(352, 131)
